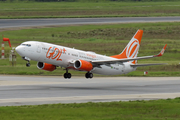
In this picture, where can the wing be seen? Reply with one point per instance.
(108, 62)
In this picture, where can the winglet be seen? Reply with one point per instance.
(162, 52)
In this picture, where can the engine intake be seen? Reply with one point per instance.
(46, 66)
(83, 65)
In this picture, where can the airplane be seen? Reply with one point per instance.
(49, 56)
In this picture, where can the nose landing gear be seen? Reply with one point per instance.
(28, 61)
(28, 64)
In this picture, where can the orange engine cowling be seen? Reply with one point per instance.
(83, 65)
(46, 66)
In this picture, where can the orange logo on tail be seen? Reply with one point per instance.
(131, 50)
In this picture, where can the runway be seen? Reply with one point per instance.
(14, 23)
(34, 90)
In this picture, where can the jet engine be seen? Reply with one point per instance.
(46, 66)
(83, 65)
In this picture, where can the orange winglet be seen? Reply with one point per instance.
(162, 51)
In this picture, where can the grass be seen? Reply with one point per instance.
(9, 10)
(107, 39)
(144, 110)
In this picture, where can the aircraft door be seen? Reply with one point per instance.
(38, 51)
(38, 48)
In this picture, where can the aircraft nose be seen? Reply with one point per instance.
(19, 50)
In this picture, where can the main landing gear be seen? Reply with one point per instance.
(67, 75)
(89, 75)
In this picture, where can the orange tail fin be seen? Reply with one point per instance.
(132, 48)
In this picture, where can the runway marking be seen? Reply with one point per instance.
(91, 98)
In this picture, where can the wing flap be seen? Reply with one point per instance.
(141, 65)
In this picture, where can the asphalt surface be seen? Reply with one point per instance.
(34, 90)
(12, 23)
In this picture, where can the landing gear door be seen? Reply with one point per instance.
(123, 69)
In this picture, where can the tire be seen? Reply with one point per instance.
(87, 75)
(68, 75)
(28, 64)
(65, 75)
(90, 75)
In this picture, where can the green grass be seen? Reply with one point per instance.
(10, 10)
(136, 110)
(107, 39)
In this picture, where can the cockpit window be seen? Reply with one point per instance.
(26, 45)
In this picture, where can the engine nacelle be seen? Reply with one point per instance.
(83, 65)
(46, 66)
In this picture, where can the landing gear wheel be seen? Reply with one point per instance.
(89, 75)
(28, 64)
(69, 75)
(65, 75)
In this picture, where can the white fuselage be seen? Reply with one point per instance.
(64, 57)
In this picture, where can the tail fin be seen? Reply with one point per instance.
(132, 48)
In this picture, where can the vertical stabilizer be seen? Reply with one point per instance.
(132, 48)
